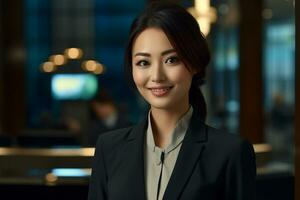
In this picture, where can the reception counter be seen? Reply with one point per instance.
(63, 173)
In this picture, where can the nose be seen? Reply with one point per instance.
(158, 73)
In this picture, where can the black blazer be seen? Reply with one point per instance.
(211, 165)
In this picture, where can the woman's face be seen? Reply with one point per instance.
(160, 76)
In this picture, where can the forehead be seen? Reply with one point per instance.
(151, 40)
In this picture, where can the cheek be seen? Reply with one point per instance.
(138, 77)
(182, 76)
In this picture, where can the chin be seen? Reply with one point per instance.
(162, 105)
(170, 102)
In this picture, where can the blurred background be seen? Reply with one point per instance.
(62, 84)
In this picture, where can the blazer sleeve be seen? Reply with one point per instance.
(241, 173)
(98, 180)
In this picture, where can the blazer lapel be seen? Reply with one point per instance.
(134, 162)
(190, 151)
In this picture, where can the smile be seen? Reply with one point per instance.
(160, 91)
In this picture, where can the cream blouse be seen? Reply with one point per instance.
(153, 156)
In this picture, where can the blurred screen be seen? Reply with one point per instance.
(71, 172)
(73, 86)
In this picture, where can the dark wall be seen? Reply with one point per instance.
(13, 58)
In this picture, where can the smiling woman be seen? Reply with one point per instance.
(172, 153)
(160, 76)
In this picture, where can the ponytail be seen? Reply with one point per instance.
(196, 97)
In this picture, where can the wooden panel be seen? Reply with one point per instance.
(251, 106)
(18, 160)
(1, 68)
(12, 81)
(297, 113)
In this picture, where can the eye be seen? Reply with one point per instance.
(172, 60)
(142, 63)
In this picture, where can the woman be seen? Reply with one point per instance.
(171, 154)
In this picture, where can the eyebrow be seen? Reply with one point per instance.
(148, 55)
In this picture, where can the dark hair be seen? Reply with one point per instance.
(184, 34)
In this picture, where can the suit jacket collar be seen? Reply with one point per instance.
(189, 154)
(190, 151)
(137, 131)
(134, 161)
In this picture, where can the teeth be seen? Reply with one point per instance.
(160, 89)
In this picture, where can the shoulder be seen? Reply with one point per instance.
(222, 136)
(223, 150)
(114, 137)
(226, 142)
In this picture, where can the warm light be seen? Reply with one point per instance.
(50, 178)
(262, 148)
(73, 53)
(90, 65)
(204, 24)
(58, 59)
(99, 69)
(204, 14)
(93, 66)
(48, 67)
(202, 6)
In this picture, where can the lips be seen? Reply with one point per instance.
(160, 91)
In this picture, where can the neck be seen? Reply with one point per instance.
(163, 123)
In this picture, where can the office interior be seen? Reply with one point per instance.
(61, 70)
